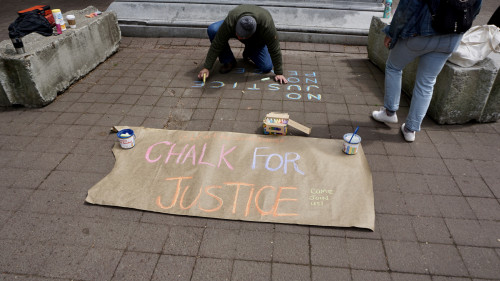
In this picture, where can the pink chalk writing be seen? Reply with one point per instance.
(183, 156)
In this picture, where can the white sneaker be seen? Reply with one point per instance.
(409, 136)
(381, 116)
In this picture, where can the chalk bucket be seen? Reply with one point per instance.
(352, 147)
(127, 138)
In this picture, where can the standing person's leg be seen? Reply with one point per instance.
(226, 56)
(260, 56)
(429, 67)
(398, 58)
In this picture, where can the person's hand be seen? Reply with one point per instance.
(203, 71)
(387, 41)
(281, 79)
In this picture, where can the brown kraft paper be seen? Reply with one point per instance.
(278, 179)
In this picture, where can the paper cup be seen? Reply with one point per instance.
(71, 21)
(351, 148)
(126, 138)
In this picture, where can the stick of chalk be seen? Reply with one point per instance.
(264, 79)
(204, 77)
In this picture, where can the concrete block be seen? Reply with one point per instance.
(461, 94)
(377, 52)
(491, 111)
(51, 64)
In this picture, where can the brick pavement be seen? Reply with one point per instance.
(437, 200)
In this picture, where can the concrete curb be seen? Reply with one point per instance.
(314, 21)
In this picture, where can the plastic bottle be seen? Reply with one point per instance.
(18, 45)
(387, 10)
(58, 17)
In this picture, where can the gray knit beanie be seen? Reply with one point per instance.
(246, 26)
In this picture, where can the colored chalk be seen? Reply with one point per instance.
(264, 79)
(204, 77)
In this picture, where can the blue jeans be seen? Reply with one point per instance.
(433, 52)
(257, 53)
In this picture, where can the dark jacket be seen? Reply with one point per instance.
(413, 18)
(265, 34)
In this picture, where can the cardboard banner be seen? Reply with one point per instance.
(279, 179)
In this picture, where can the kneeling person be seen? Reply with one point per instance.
(254, 27)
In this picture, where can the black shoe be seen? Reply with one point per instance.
(227, 67)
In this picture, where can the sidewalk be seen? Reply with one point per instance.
(437, 200)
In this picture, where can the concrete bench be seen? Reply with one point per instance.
(51, 64)
(461, 94)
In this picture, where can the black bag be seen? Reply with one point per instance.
(452, 16)
(44, 10)
(30, 22)
(495, 18)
